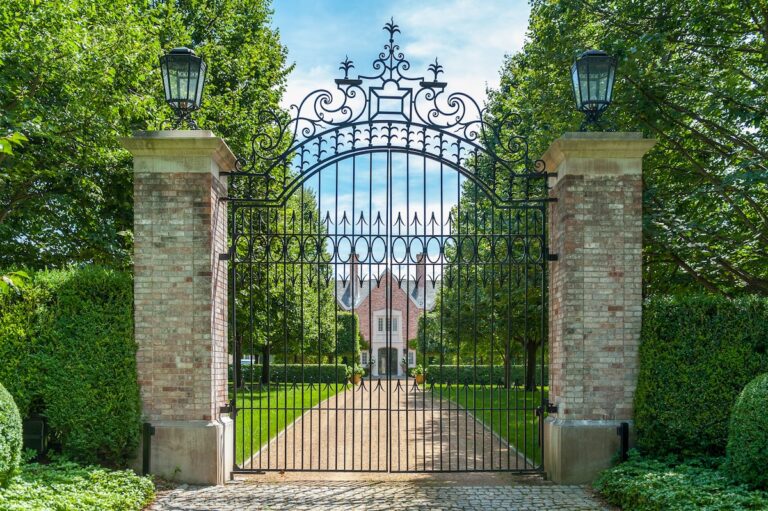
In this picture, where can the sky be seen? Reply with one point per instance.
(470, 38)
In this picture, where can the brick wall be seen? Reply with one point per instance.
(595, 300)
(180, 285)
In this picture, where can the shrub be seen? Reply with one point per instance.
(71, 357)
(642, 484)
(696, 355)
(348, 337)
(295, 373)
(68, 486)
(480, 375)
(10, 437)
(748, 437)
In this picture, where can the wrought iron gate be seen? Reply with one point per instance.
(388, 279)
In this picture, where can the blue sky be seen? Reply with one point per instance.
(470, 37)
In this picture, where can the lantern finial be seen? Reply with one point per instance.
(184, 76)
(592, 75)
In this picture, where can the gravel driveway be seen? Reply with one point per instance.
(349, 432)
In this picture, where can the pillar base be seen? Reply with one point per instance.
(194, 452)
(576, 451)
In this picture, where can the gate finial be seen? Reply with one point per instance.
(392, 28)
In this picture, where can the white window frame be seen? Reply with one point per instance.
(382, 320)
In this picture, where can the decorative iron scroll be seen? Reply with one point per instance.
(388, 110)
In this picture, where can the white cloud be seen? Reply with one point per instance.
(470, 37)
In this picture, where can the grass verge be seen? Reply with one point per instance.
(510, 413)
(264, 412)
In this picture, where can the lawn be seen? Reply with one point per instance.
(510, 413)
(67, 486)
(264, 412)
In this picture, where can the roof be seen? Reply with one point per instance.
(415, 292)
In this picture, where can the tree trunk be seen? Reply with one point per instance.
(531, 366)
(507, 366)
(265, 364)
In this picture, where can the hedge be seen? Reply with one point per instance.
(312, 373)
(10, 437)
(485, 375)
(748, 437)
(696, 355)
(69, 355)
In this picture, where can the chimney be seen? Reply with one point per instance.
(354, 262)
(421, 272)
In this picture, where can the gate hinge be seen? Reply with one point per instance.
(552, 257)
(545, 406)
(229, 408)
(226, 256)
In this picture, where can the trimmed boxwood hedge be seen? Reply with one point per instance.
(696, 355)
(312, 373)
(485, 375)
(10, 437)
(69, 354)
(748, 437)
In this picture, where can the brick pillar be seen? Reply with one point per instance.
(180, 300)
(595, 298)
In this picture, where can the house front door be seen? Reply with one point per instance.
(387, 361)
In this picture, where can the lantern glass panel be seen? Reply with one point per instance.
(576, 88)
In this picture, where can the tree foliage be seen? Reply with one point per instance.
(489, 308)
(692, 74)
(77, 74)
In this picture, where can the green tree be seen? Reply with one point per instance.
(77, 74)
(489, 309)
(692, 74)
(285, 304)
(349, 338)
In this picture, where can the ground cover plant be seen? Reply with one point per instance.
(516, 423)
(264, 412)
(646, 484)
(67, 486)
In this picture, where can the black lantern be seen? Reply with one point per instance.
(183, 81)
(592, 76)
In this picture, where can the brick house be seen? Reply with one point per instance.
(367, 298)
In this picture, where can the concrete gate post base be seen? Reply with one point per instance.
(198, 452)
(577, 450)
(595, 298)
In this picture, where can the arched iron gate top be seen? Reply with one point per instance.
(388, 111)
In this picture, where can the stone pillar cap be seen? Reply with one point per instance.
(581, 145)
(181, 143)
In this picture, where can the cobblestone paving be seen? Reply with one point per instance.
(375, 495)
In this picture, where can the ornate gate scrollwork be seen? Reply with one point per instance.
(388, 217)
